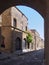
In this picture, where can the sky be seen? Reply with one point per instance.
(35, 20)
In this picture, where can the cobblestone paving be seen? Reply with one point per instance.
(31, 58)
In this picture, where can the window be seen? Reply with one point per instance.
(14, 22)
(2, 42)
(26, 28)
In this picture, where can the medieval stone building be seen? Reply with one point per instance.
(13, 22)
(13, 37)
(38, 42)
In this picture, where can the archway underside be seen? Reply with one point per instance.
(39, 5)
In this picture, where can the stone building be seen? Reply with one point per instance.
(38, 42)
(13, 22)
(31, 45)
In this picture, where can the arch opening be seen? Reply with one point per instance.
(18, 43)
(19, 19)
(39, 5)
(42, 11)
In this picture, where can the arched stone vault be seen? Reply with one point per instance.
(39, 5)
(42, 6)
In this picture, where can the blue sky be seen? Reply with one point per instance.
(35, 20)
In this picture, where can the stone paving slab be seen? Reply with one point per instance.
(31, 58)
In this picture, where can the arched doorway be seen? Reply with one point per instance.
(18, 44)
(24, 43)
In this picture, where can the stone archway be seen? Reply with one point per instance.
(39, 5)
(42, 6)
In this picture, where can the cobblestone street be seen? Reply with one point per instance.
(30, 58)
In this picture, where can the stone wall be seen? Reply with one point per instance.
(38, 42)
(8, 32)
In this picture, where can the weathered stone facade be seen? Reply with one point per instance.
(13, 18)
(38, 42)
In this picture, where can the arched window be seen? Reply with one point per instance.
(26, 28)
(14, 22)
